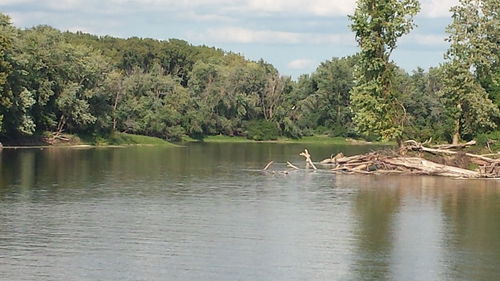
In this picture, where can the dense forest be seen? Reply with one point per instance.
(54, 82)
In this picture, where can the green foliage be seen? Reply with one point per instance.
(221, 139)
(320, 102)
(6, 38)
(232, 91)
(491, 139)
(471, 79)
(123, 138)
(425, 112)
(375, 100)
(99, 86)
(117, 138)
(149, 103)
(334, 80)
(261, 130)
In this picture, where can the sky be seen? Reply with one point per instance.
(294, 35)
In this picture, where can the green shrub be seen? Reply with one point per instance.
(261, 130)
(371, 138)
(339, 131)
(493, 138)
(174, 133)
(321, 130)
(123, 138)
(290, 129)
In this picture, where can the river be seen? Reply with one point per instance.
(207, 212)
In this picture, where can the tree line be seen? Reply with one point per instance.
(53, 81)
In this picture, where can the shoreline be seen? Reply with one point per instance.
(115, 140)
(82, 146)
(120, 140)
(316, 139)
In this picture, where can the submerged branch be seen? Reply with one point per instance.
(290, 165)
(268, 165)
(308, 158)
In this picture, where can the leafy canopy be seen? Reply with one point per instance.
(374, 100)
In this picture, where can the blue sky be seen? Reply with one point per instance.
(293, 35)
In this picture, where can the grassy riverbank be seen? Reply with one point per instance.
(68, 140)
(124, 139)
(318, 139)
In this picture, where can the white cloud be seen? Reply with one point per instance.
(10, 2)
(437, 8)
(193, 16)
(66, 5)
(250, 36)
(300, 64)
(312, 7)
(244, 35)
(430, 8)
(24, 19)
(327, 8)
(346, 39)
(425, 39)
(50, 4)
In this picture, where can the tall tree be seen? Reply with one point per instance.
(5, 66)
(149, 103)
(378, 24)
(426, 112)
(335, 80)
(472, 70)
(15, 100)
(114, 87)
(65, 79)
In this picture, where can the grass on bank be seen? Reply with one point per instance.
(323, 139)
(218, 139)
(318, 139)
(123, 139)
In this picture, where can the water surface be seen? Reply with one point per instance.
(207, 212)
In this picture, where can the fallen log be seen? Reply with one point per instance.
(361, 167)
(412, 166)
(491, 154)
(455, 146)
(413, 145)
(332, 159)
(425, 167)
(343, 159)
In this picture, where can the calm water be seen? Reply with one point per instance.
(206, 212)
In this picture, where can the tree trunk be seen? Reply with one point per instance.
(115, 105)
(456, 134)
(400, 143)
(456, 139)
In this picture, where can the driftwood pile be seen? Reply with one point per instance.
(377, 163)
(390, 162)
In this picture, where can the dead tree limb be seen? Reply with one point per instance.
(332, 159)
(425, 167)
(413, 145)
(290, 165)
(268, 165)
(455, 146)
(308, 158)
